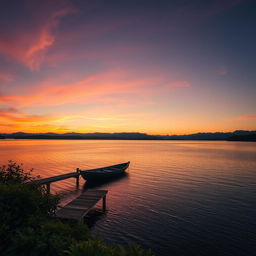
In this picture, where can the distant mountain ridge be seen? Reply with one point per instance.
(239, 135)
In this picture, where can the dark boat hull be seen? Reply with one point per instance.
(104, 172)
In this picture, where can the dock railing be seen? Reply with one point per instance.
(47, 181)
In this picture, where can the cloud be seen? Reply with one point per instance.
(12, 120)
(113, 85)
(30, 46)
(101, 99)
(12, 114)
(246, 118)
(8, 110)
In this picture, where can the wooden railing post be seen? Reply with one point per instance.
(104, 203)
(48, 188)
(77, 178)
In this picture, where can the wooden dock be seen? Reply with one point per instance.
(79, 207)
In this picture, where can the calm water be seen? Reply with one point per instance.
(179, 197)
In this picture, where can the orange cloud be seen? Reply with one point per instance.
(13, 120)
(7, 111)
(11, 114)
(245, 118)
(110, 86)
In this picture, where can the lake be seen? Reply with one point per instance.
(178, 197)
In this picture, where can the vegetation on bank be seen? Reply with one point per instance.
(28, 225)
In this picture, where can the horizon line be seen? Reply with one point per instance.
(142, 133)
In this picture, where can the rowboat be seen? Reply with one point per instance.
(105, 172)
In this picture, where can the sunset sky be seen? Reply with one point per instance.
(160, 67)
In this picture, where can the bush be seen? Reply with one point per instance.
(99, 248)
(12, 173)
(91, 248)
(51, 238)
(21, 204)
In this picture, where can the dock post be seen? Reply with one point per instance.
(48, 188)
(81, 220)
(77, 178)
(104, 203)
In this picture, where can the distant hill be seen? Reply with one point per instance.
(249, 137)
(216, 136)
(236, 135)
(112, 136)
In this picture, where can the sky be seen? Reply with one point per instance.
(159, 67)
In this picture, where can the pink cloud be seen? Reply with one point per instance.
(108, 86)
(30, 47)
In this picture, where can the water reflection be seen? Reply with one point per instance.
(105, 182)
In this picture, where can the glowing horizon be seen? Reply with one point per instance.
(157, 68)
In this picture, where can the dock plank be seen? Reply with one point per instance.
(80, 206)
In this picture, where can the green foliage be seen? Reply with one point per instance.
(19, 203)
(21, 206)
(99, 248)
(133, 250)
(51, 238)
(91, 248)
(12, 173)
